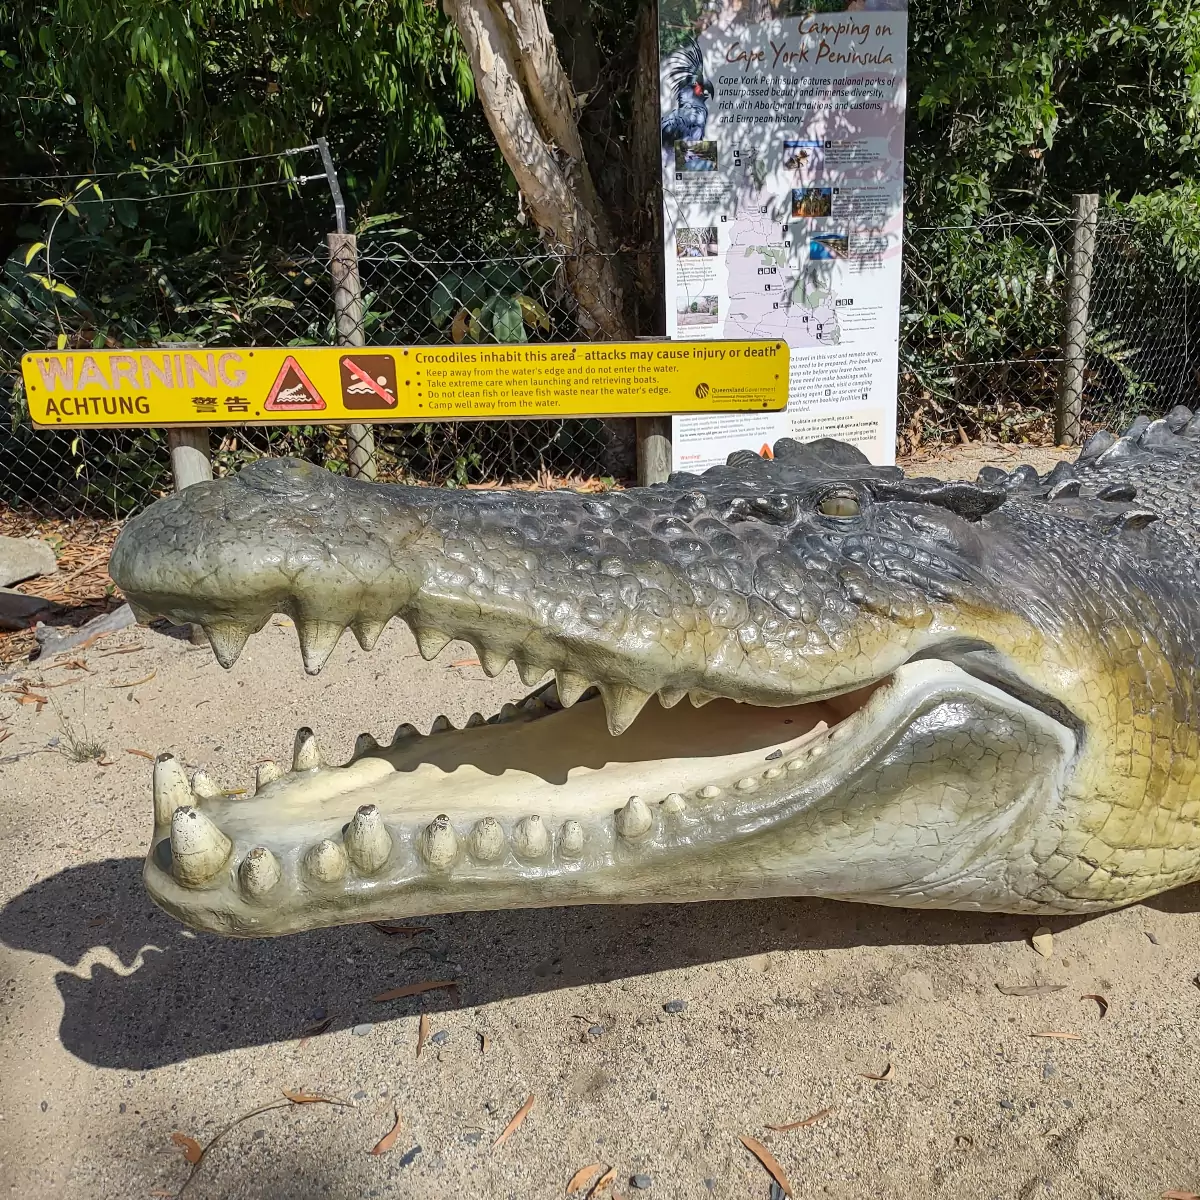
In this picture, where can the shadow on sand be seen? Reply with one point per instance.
(196, 994)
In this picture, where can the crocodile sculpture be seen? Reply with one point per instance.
(900, 690)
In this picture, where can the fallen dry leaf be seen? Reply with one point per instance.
(422, 1032)
(887, 1073)
(485, 1043)
(104, 762)
(75, 664)
(465, 662)
(603, 1182)
(191, 1147)
(414, 989)
(313, 1030)
(303, 1097)
(1031, 989)
(768, 1160)
(516, 1123)
(806, 1121)
(1100, 1000)
(401, 930)
(1053, 1033)
(1180, 1195)
(5, 734)
(140, 753)
(388, 1140)
(134, 682)
(122, 650)
(583, 1177)
(1043, 941)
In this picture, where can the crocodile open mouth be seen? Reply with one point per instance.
(540, 805)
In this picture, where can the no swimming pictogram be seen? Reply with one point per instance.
(368, 381)
(292, 390)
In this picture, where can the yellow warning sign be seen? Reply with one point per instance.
(335, 385)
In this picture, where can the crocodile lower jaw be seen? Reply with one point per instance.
(541, 806)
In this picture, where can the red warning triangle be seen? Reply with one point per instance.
(293, 390)
(765, 452)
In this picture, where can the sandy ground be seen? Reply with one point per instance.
(118, 1027)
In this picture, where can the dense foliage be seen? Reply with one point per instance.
(1013, 106)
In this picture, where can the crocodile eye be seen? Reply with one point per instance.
(842, 505)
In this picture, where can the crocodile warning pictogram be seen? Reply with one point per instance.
(292, 390)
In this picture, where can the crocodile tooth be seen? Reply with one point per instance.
(474, 720)
(508, 711)
(367, 632)
(669, 697)
(258, 872)
(773, 772)
(198, 847)
(438, 843)
(530, 672)
(441, 724)
(699, 699)
(570, 687)
(709, 791)
(266, 772)
(365, 743)
(622, 703)
(674, 804)
(1067, 489)
(317, 640)
(430, 642)
(405, 731)
(367, 840)
(533, 704)
(492, 661)
(795, 764)
(487, 840)
(570, 839)
(326, 861)
(530, 838)
(227, 639)
(171, 790)
(747, 784)
(204, 787)
(306, 754)
(634, 820)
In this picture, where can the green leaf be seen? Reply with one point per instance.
(536, 317)
(62, 341)
(508, 321)
(442, 302)
(33, 250)
(63, 290)
(52, 202)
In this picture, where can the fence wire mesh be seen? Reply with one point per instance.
(980, 350)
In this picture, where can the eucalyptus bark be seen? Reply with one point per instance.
(531, 108)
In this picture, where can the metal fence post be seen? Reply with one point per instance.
(1069, 407)
(348, 308)
(190, 462)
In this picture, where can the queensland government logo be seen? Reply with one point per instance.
(702, 390)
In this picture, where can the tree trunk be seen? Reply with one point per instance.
(530, 107)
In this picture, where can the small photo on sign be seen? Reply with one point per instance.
(829, 245)
(801, 155)
(696, 310)
(812, 202)
(696, 243)
(695, 156)
(368, 380)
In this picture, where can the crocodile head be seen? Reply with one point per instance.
(804, 676)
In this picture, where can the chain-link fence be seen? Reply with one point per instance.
(980, 349)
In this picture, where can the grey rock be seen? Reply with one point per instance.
(1049, 1070)
(55, 641)
(472, 1139)
(595, 1031)
(23, 558)
(776, 1192)
(362, 1030)
(440, 1038)
(640, 1182)
(360, 1095)
(1008, 1104)
(675, 1006)
(409, 1155)
(19, 611)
